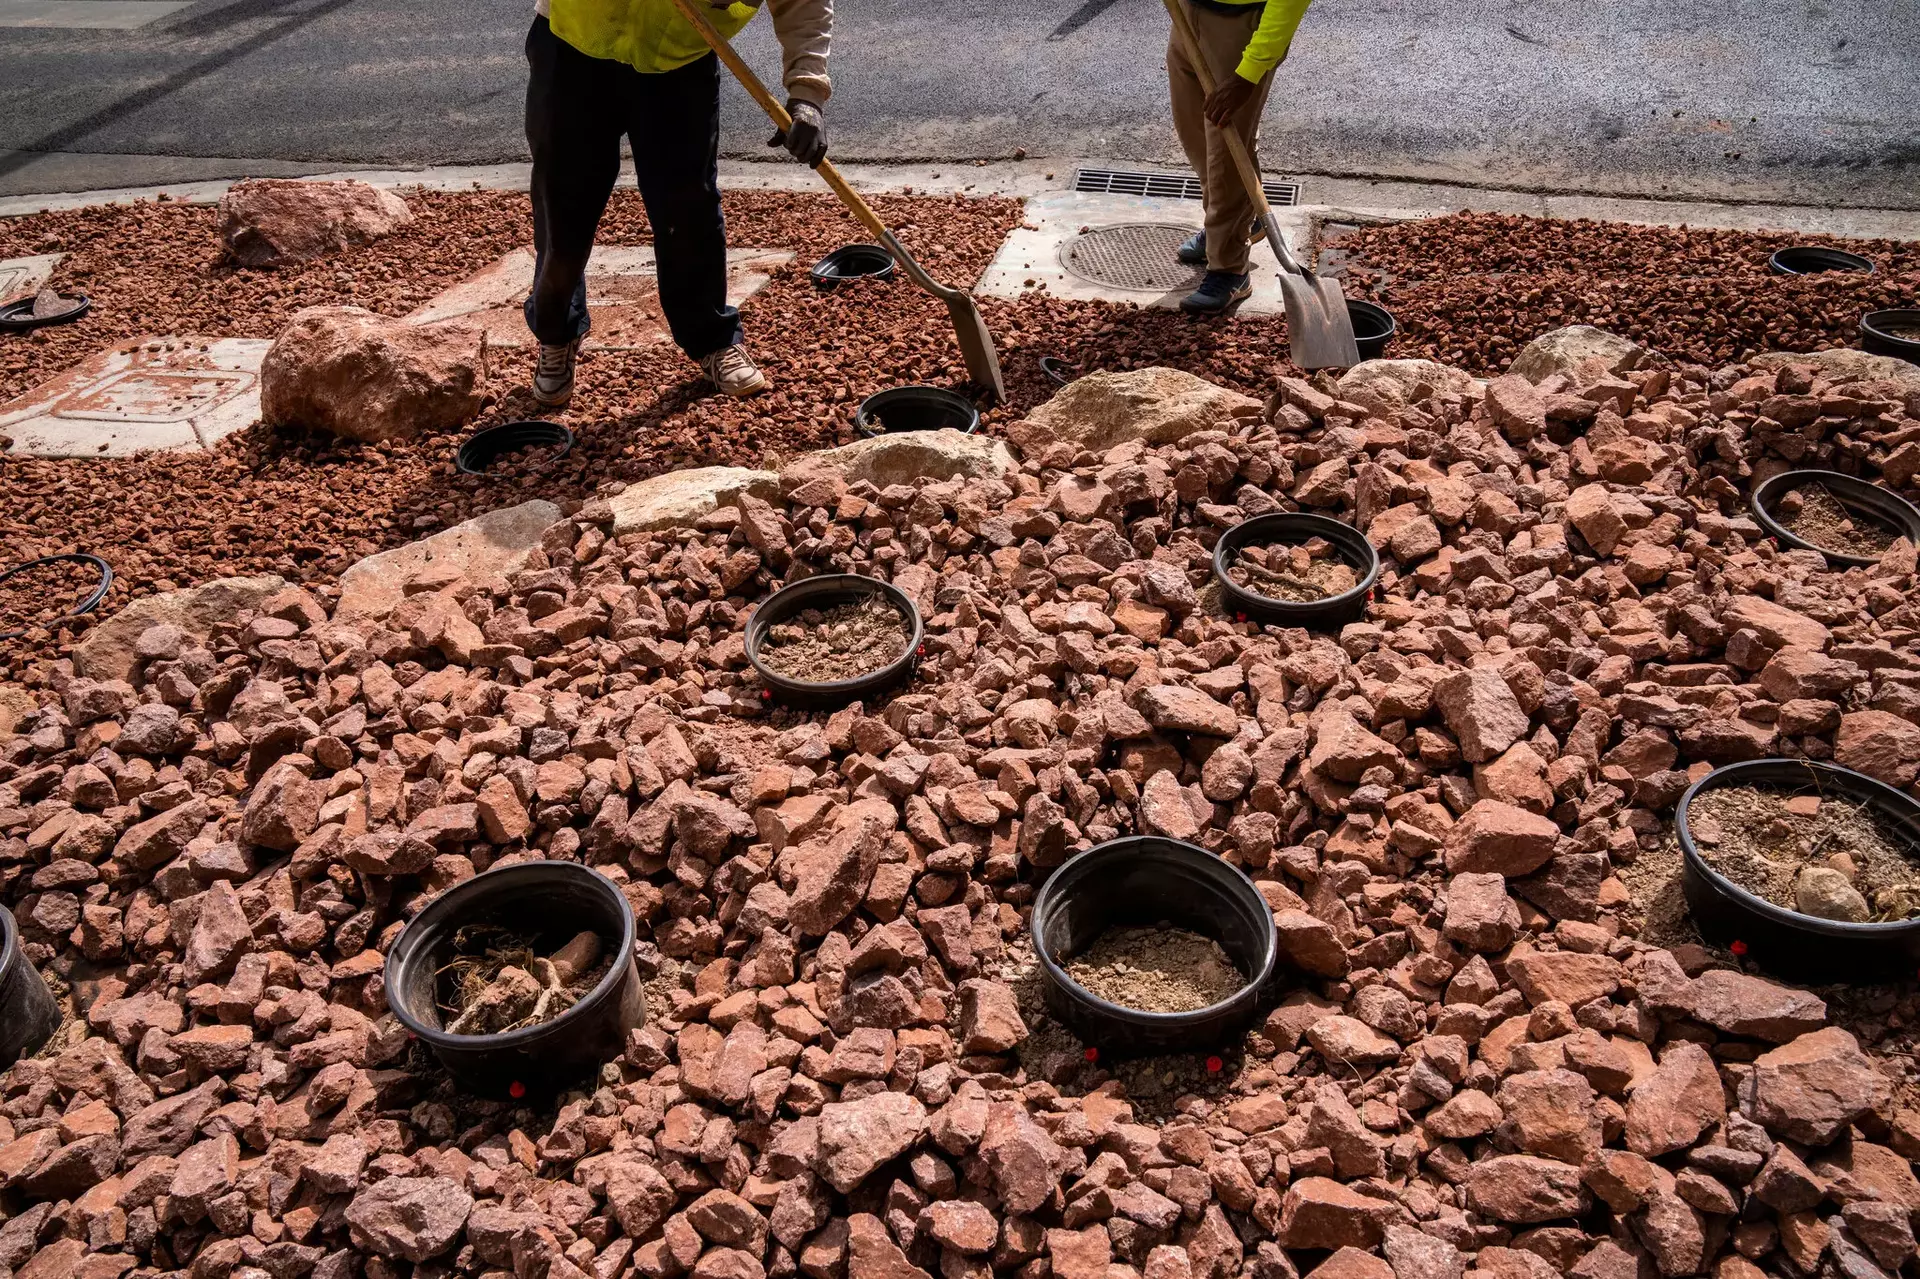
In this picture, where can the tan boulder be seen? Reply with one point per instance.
(109, 649)
(1157, 405)
(361, 376)
(903, 458)
(495, 543)
(678, 498)
(1567, 351)
(1389, 385)
(274, 222)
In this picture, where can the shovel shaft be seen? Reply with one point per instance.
(1236, 147)
(690, 10)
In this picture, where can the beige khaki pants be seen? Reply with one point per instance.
(1229, 210)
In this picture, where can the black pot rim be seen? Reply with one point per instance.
(826, 271)
(450, 903)
(1249, 990)
(1308, 526)
(1871, 322)
(1729, 775)
(17, 317)
(9, 946)
(1056, 368)
(86, 605)
(866, 416)
(1782, 260)
(481, 449)
(1846, 490)
(1373, 311)
(884, 677)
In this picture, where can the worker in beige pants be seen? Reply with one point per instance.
(1242, 43)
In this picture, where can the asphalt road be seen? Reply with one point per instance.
(1793, 101)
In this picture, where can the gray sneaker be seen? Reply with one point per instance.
(733, 372)
(553, 374)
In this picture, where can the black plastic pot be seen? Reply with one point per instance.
(916, 408)
(18, 317)
(28, 1015)
(1870, 501)
(826, 591)
(1145, 880)
(87, 605)
(1876, 337)
(1057, 369)
(486, 447)
(852, 262)
(1782, 941)
(554, 901)
(1812, 259)
(1373, 328)
(1291, 528)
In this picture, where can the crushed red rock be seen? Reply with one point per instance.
(1477, 1065)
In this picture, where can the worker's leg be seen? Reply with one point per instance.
(1223, 38)
(675, 130)
(1183, 85)
(573, 131)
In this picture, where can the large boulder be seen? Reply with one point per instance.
(275, 222)
(358, 375)
(1386, 386)
(903, 458)
(1158, 405)
(678, 498)
(495, 543)
(1568, 350)
(1845, 364)
(109, 649)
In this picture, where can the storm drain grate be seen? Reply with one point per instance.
(1135, 255)
(1168, 186)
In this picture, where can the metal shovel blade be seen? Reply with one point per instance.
(969, 330)
(1319, 330)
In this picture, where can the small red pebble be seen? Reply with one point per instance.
(1092, 1054)
(1738, 948)
(516, 1090)
(766, 694)
(1215, 1065)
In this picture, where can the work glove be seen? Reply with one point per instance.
(806, 141)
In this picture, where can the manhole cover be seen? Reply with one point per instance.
(1136, 255)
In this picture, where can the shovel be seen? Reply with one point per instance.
(976, 344)
(1319, 330)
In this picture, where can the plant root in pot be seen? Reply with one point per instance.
(497, 983)
(1298, 574)
(843, 641)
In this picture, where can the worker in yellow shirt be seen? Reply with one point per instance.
(1242, 42)
(600, 70)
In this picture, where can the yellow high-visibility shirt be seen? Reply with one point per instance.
(1268, 47)
(652, 36)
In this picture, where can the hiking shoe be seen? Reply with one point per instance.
(732, 372)
(1193, 250)
(1218, 291)
(553, 374)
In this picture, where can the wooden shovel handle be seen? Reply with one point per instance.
(690, 10)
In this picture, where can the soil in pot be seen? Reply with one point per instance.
(844, 641)
(1905, 331)
(1297, 574)
(1829, 858)
(41, 597)
(1158, 969)
(500, 980)
(1813, 514)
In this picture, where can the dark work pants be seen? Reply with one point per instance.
(578, 108)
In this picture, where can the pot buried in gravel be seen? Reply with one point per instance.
(852, 262)
(1373, 328)
(549, 902)
(87, 603)
(1786, 942)
(915, 408)
(822, 593)
(1146, 880)
(1895, 333)
(484, 448)
(1813, 259)
(28, 1014)
(1867, 504)
(1294, 529)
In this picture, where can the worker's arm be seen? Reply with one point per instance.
(805, 29)
(1268, 47)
